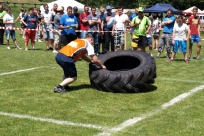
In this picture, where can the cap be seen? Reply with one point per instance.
(108, 7)
(59, 9)
(140, 9)
(75, 7)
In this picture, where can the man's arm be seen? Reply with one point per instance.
(96, 61)
(86, 58)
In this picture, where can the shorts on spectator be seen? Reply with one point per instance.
(149, 40)
(119, 38)
(48, 34)
(30, 35)
(11, 33)
(182, 45)
(56, 37)
(139, 41)
(195, 38)
(156, 35)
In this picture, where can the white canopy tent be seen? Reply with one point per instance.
(190, 11)
(65, 4)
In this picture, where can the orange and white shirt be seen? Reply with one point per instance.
(77, 49)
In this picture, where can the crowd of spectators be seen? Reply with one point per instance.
(58, 26)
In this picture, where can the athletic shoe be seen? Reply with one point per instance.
(50, 48)
(158, 56)
(54, 51)
(17, 47)
(199, 58)
(8, 48)
(59, 90)
(167, 58)
(186, 61)
(39, 40)
(191, 58)
(26, 49)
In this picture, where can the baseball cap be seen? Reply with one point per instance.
(75, 7)
(140, 9)
(108, 7)
(59, 9)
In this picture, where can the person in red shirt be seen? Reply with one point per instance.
(69, 54)
(84, 24)
(194, 25)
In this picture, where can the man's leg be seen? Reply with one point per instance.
(190, 48)
(168, 39)
(198, 50)
(161, 45)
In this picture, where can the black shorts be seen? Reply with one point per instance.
(67, 64)
(65, 39)
(142, 41)
(156, 35)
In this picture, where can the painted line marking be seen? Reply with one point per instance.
(24, 70)
(55, 121)
(135, 120)
(180, 80)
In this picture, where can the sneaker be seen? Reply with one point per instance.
(26, 49)
(59, 90)
(39, 40)
(158, 56)
(50, 48)
(167, 58)
(54, 51)
(8, 48)
(199, 58)
(191, 58)
(186, 61)
(17, 47)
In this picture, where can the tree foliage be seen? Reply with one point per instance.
(178, 4)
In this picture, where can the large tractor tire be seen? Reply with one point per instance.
(127, 72)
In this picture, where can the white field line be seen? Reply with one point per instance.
(179, 80)
(24, 70)
(55, 121)
(135, 120)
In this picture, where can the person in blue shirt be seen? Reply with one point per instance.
(130, 18)
(31, 22)
(166, 38)
(68, 24)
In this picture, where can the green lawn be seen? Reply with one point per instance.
(84, 110)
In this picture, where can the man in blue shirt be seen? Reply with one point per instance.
(68, 24)
(166, 38)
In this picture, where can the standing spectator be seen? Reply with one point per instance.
(119, 29)
(94, 21)
(149, 34)
(155, 30)
(107, 24)
(68, 23)
(179, 39)
(37, 13)
(166, 37)
(141, 25)
(130, 18)
(8, 20)
(76, 14)
(84, 24)
(101, 40)
(21, 15)
(47, 28)
(57, 32)
(194, 25)
(31, 22)
(2, 13)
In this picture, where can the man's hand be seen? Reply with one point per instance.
(103, 67)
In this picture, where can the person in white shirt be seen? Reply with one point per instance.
(48, 28)
(9, 22)
(20, 16)
(179, 39)
(155, 30)
(119, 28)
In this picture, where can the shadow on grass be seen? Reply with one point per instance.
(79, 87)
(150, 89)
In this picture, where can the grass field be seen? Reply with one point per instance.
(29, 107)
